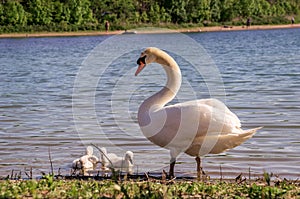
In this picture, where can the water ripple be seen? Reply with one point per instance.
(260, 70)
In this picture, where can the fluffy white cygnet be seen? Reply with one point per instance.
(87, 162)
(111, 160)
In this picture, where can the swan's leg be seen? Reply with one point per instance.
(172, 165)
(199, 168)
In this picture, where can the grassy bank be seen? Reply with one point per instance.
(148, 30)
(54, 188)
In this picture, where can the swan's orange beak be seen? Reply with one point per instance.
(142, 63)
(140, 68)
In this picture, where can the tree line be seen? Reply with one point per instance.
(72, 15)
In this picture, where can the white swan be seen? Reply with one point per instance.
(195, 127)
(111, 160)
(87, 162)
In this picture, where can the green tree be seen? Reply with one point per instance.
(40, 12)
(165, 16)
(262, 8)
(60, 12)
(13, 13)
(80, 12)
(144, 17)
(127, 9)
(227, 10)
(193, 12)
(100, 9)
(154, 13)
(2, 17)
(215, 6)
(202, 10)
(205, 10)
(178, 11)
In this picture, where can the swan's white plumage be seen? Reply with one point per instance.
(195, 127)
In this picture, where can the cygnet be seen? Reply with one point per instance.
(111, 160)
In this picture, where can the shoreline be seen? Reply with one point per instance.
(181, 30)
(239, 28)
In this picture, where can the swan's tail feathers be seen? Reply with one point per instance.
(250, 132)
(231, 140)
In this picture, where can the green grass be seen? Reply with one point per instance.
(49, 187)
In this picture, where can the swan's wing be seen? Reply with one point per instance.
(221, 112)
(84, 158)
(114, 159)
(176, 126)
(88, 165)
(118, 163)
(112, 156)
(93, 159)
(213, 116)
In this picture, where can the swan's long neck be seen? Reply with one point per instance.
(169, 91)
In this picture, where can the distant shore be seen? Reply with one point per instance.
(182, 30)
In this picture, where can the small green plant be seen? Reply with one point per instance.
(49, 187)
(267, 178)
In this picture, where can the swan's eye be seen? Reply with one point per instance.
(141, 60)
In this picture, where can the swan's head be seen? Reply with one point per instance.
(147, 56)
(103, 156)
(89, 150)
(129, 156)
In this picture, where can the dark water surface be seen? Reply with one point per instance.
(261, 75)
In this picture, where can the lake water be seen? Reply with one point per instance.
(45, 81)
